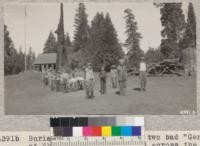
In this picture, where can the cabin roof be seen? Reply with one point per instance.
(46, 58)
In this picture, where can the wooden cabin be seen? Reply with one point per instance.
(45, 60)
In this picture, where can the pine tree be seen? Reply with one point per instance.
(153, 55)
(50, 45)
(21, 60)
(189, 39)
(68, 40)
(113, 51)
(81, 33)
(33, 57)
(191, 25)
(93, 53)
(173, 21)
(29, 59)
(10, 54)
(104, 46)
(133, 39)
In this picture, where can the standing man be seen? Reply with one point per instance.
(52, 79)
(66, 81)
(57, 78)
(122, 77)
(62, 83)
(143, 76)
(89, 78)
(102, 77)
(46, 76)
(43, 74)
(113, 73)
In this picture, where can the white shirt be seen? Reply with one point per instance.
(143, 66)
(65, 76)
(89, 74)
(113, 73)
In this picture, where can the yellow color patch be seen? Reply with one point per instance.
(106, 130)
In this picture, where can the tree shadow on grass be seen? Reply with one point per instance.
(137, 89)
(118, 93)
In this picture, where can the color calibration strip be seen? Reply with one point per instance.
(97, 131)
(96, 126)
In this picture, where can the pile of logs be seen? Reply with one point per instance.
(166, 67)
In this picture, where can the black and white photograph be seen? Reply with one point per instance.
(113, 58)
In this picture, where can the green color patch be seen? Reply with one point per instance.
(116, 131)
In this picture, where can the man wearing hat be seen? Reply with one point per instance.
(89, 81)
(113, 74)
(122, 77)
(66, 81)
(102, 77)
(143, 76)
(57, 81)
(52, 79)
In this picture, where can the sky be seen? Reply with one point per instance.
(42, 18)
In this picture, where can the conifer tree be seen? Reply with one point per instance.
(68, 40)
(30, 59)
(81, 33)
(10, 54)
(21, 60)
(50, 45)
(104, 45)
(173, 21)
(133, 39)
(189, 39)
(113, 51)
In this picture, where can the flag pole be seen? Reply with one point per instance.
(25, 63)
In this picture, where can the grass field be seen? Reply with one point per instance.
(26, 95)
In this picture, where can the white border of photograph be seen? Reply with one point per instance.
(41, 123)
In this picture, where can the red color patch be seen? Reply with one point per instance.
(96, 131)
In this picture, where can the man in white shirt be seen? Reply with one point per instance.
(143, 76)
(89, 78)
(113, 73)
(65, 80)
(122, 77)
(52, 78)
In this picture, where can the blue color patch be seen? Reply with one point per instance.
(126, 131)
(136, 131)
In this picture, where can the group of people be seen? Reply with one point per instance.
(62, 81)
(85, 79)
(118, 76)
